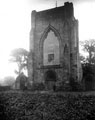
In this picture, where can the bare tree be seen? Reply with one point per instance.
(82, 58)
(20, 56)
(89, 47)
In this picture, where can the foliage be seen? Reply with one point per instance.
(88, 64)
(89, 47)
(82, 58)
(5, 88)
(37, 87)
(8, 80)
(75, 85)
(63, 87)
(88, 75)
(88, 69)
(20, 56)
(45, 106)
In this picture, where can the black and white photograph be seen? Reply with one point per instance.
(47, 60)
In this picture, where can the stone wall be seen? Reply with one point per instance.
(61, 22)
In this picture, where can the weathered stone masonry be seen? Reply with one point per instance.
(54, 46)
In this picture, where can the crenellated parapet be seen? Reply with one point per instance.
(54, 44)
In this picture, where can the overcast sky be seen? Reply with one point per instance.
(15, 24)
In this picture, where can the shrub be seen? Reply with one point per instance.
(45, 106)
(75, 86)
(63, 87)
(4, 88)
(37, 87)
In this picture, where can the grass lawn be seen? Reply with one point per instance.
(16, 105)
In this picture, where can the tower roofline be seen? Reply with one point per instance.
(67, 10)
(66, 4)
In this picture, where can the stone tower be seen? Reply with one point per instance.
(54, 49)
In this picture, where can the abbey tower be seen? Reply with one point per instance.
(54, 46)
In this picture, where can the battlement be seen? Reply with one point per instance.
(54, 43)
(67, 11)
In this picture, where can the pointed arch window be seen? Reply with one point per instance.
(51, 49)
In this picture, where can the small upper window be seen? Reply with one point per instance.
(50, 57)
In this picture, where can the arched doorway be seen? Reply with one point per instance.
(50, 80)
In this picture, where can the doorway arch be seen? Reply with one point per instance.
(50, 80)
